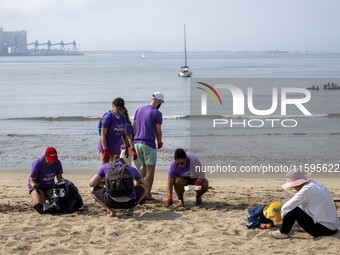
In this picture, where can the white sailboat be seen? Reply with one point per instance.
(185, 71)
(142, 56)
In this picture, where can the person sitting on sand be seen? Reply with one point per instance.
(182, 173)
(264, 216)
(312, 207)
(102, 196)
(43, 172)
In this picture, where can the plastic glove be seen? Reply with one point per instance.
(169, 201)
(106, 154)
(198, 183)
(134, 153)
(160, 145)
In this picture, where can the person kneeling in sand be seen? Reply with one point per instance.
(43, 172)
(182, 173)
(312, 207)
(103, 195)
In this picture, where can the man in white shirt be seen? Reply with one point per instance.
(312, 207)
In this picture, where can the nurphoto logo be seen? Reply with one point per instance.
(288, 96)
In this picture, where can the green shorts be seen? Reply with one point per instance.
(146, 154)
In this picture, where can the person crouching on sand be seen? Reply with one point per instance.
(102, 194)
(43, 172)
(182, 173)
(312, 207)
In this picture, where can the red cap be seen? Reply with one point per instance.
(51, 154)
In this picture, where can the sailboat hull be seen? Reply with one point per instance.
(184, 72)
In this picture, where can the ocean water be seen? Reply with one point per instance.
(58, 101)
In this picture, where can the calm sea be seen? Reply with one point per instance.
(58, 101)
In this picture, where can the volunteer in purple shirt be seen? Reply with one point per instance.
(112, 132)
(43, 172)
(99, 193)
(147, 128)
(182, 173)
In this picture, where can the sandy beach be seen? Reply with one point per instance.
(216, 227)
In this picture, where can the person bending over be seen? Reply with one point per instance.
(182, 173)
(42, 176)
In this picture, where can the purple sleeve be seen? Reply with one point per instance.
(58, 168)
(194, 161)
(101, 171)
(159, 118)
(106, 120)
(172, 170)
(136, 175)
(35, 169)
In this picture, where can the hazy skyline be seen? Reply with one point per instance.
(293, 25)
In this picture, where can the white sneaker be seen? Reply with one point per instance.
(278, 235)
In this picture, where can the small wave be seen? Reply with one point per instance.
(83, 118)
(58, 118)
(175, 117)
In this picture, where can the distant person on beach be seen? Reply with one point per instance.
(102, 195)
(182, 173)
(112, 131)
(132, 154)
(42, 176)
(147, 128)
(312, 207)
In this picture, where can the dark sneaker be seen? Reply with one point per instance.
(198, 201)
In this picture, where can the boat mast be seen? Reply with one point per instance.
(185, 47)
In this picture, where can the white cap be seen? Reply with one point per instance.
(158, 95)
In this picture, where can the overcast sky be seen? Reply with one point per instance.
(212, 25)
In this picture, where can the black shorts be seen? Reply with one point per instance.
(100, 193)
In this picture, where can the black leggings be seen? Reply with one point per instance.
(306, 222)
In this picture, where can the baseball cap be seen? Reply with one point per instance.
(51, 154)
(158, 95)
(119, 102)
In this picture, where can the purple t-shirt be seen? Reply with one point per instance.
(146, 118)
(115, 127)
(44, 173)
(135, 175)
(188, 171)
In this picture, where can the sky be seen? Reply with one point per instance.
(157, 25)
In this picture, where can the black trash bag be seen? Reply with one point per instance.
(65, 199)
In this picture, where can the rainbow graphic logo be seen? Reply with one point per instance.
(210, 91)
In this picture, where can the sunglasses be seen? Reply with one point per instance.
(181, 163)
